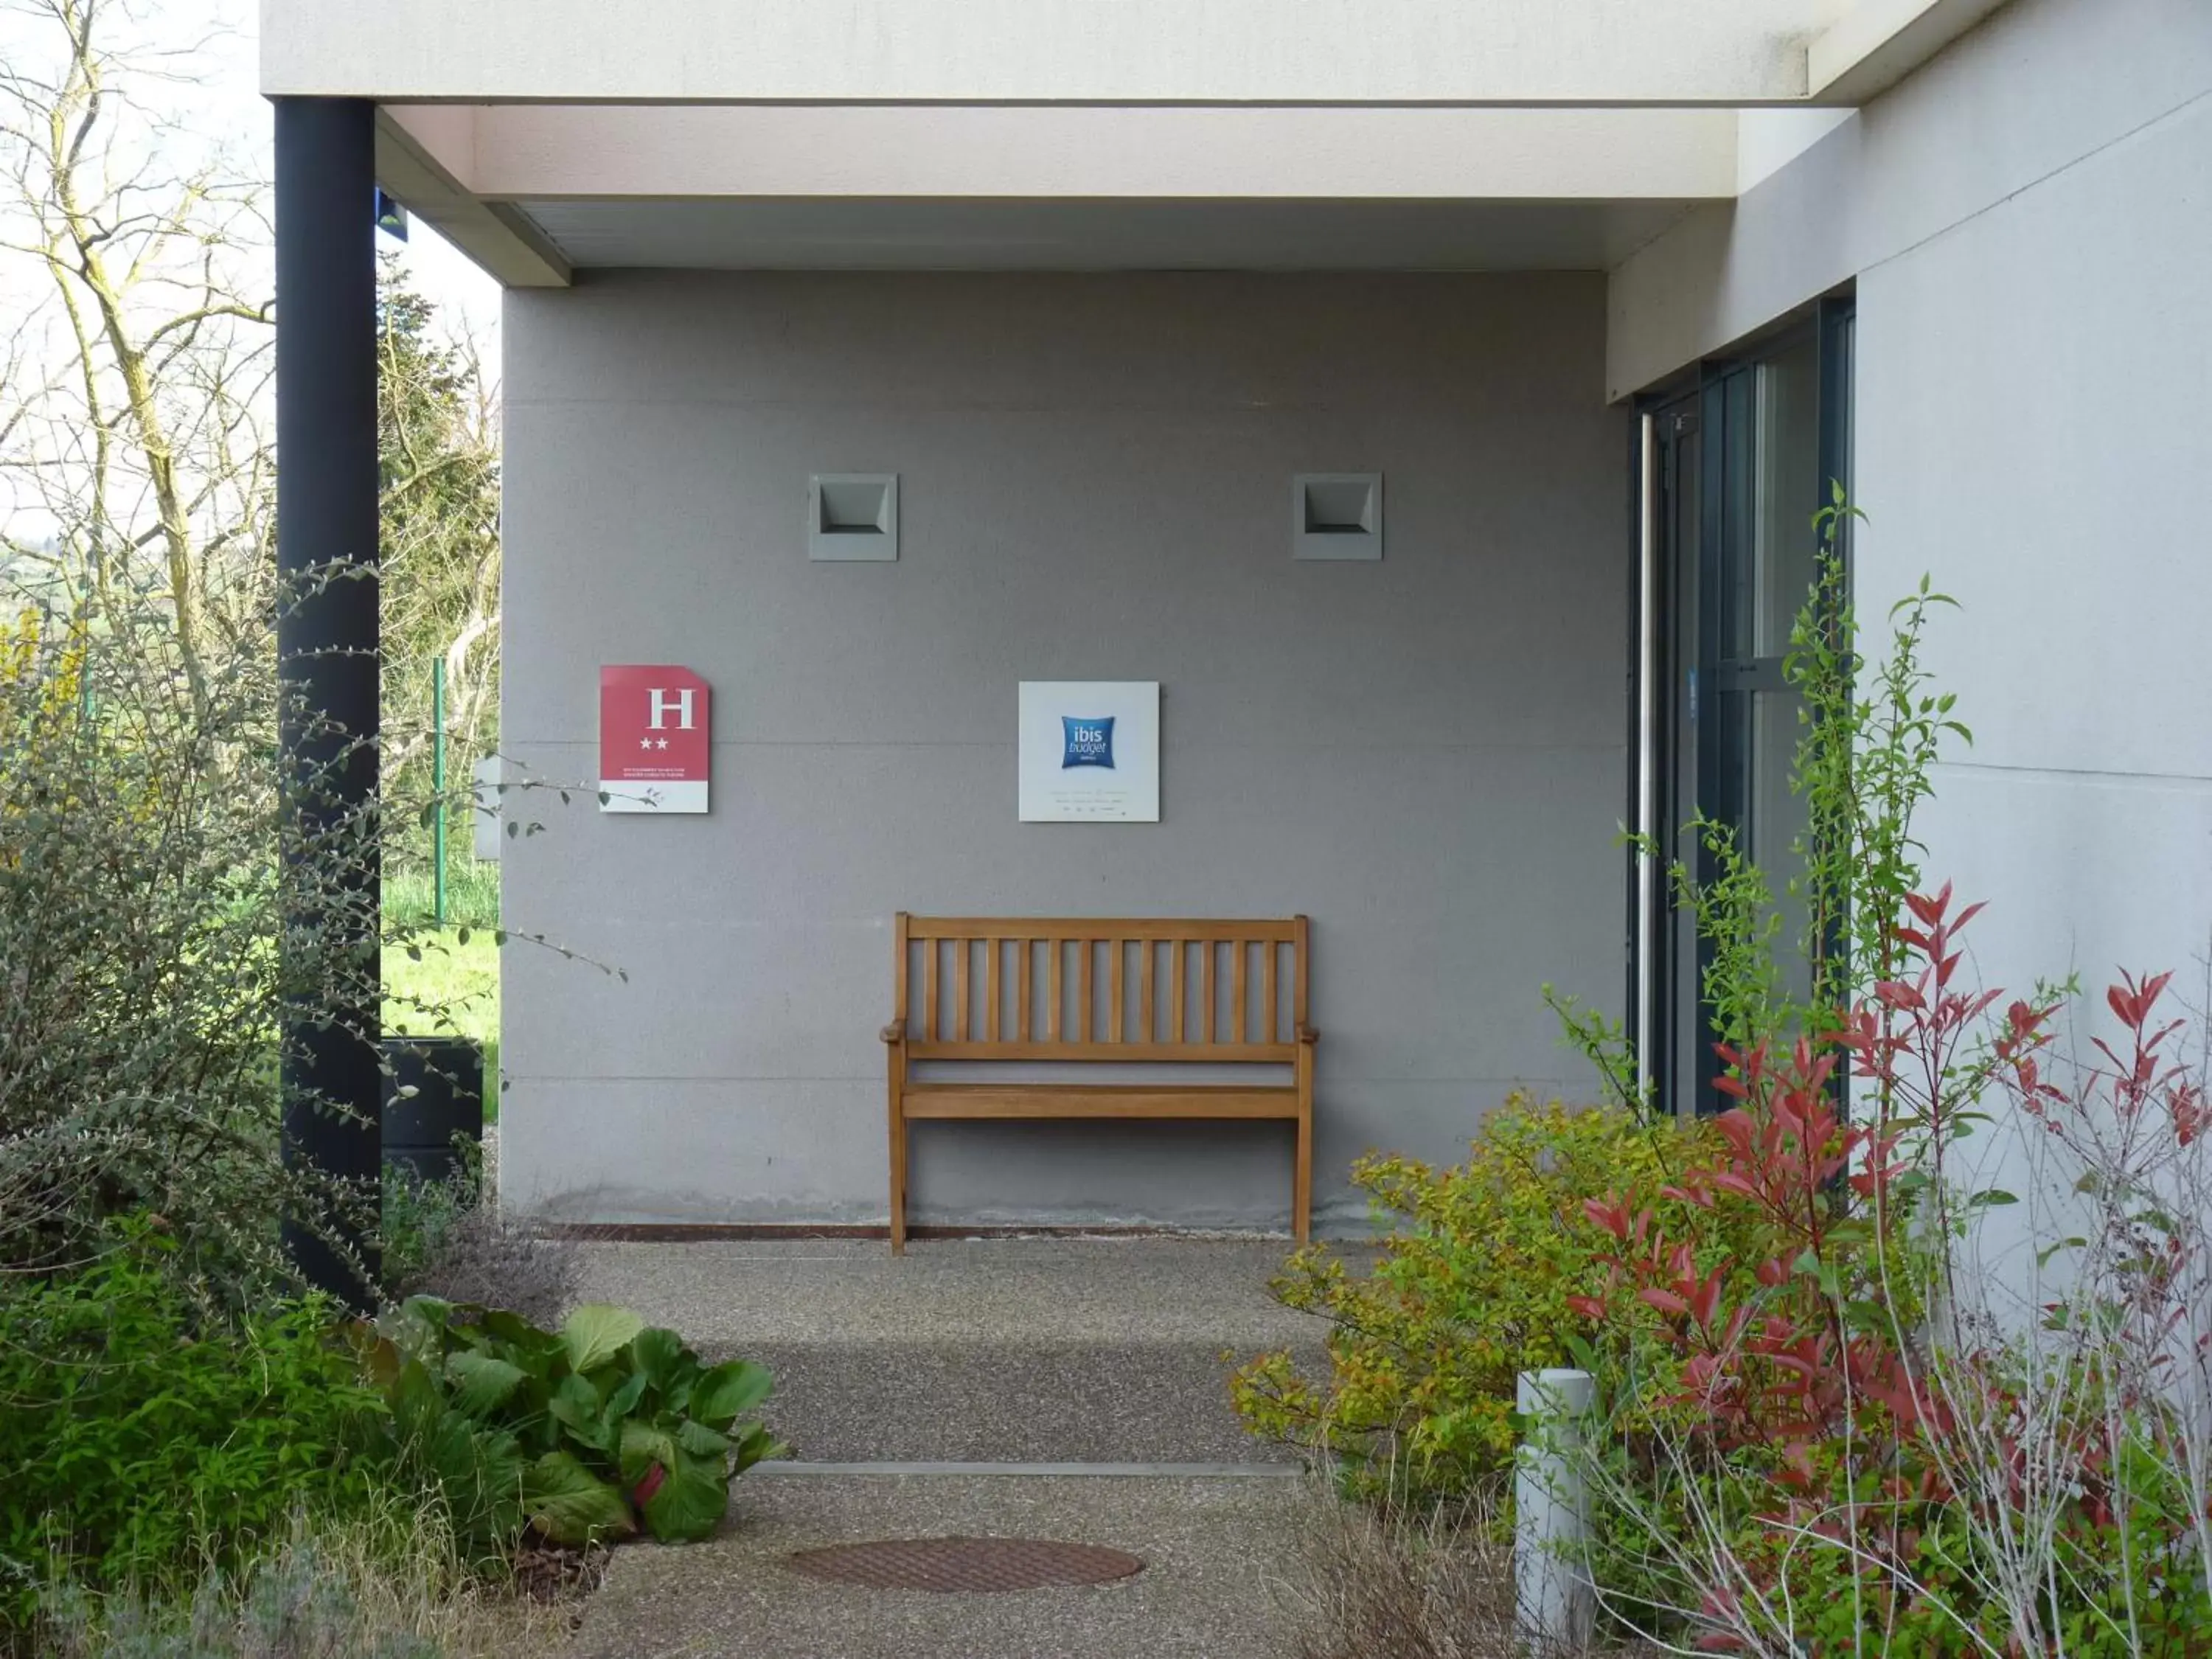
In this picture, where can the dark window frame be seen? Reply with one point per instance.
(1718, 399)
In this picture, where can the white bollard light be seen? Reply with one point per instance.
(1556, 1604)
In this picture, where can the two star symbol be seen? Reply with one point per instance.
(648, 743)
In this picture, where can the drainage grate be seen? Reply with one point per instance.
(966, 1564)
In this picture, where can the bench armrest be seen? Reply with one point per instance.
(1307, 1034)
(895, 1032)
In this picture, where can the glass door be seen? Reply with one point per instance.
(1733, 469)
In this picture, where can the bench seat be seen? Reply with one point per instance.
(1132, 992)
(1168, 1100)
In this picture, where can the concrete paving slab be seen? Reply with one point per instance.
(997, 1350)
(1045, 1290)
(1215, 1550)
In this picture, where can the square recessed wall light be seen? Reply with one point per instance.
(852, 515)
(1336, 515)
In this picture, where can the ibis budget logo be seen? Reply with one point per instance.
(1086, 742)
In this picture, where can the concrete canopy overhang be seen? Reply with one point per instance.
(1726, 53)
(546, 135)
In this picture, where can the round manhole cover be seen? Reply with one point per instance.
(966, 1564)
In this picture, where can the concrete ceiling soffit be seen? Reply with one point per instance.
(522, 152)
(495, 234)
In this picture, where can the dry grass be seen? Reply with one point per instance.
(483, 1253)
(392, 1590)
(1373, 1583)
(452, 1238)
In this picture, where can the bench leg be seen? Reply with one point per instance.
(898, 1150)
(1302, 1175)
(898, 1188)
(1302, 1184)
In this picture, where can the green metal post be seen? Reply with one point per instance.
(438, 791)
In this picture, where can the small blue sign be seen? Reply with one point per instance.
(391, 217)
(1086, 742)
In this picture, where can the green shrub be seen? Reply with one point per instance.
(139, 913)
(580, 1435)
(143, 1438)
(1477, 1264)
(153, 937)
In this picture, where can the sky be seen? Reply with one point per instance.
(229, 102)
(219, 106)
(207, 107)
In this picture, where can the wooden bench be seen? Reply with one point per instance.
(1167, 1001)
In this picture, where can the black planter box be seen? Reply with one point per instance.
(446, 1077)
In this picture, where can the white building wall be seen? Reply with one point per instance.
(1769, 140)
(2029, 223)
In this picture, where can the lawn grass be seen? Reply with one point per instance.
(458, 980)
(471, 895)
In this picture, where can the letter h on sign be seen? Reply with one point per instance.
(679, 706)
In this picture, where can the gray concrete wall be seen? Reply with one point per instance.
(2029, 220)
(1426, 755)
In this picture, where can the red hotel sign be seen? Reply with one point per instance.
(654, 740)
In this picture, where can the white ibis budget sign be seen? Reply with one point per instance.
(655, 737)
(1089, 751)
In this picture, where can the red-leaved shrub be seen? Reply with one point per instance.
(1839, 1439)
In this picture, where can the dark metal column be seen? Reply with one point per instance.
(327, 650)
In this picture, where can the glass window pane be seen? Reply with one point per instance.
(1687, 1044)
(1839, 412)
(1775, 821)
(1786, 493)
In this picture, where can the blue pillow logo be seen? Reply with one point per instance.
(1086, 742)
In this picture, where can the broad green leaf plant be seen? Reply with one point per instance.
(601, 1429)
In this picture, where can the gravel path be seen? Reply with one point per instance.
(1032, 1352)
(1214, 1553)
(1013, 1350)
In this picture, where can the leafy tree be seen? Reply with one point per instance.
(438, 479)
(134, 413)
(137, 458)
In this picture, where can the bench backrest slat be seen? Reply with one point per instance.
(1101, 927)
(930, 1000)
(977, 1025)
